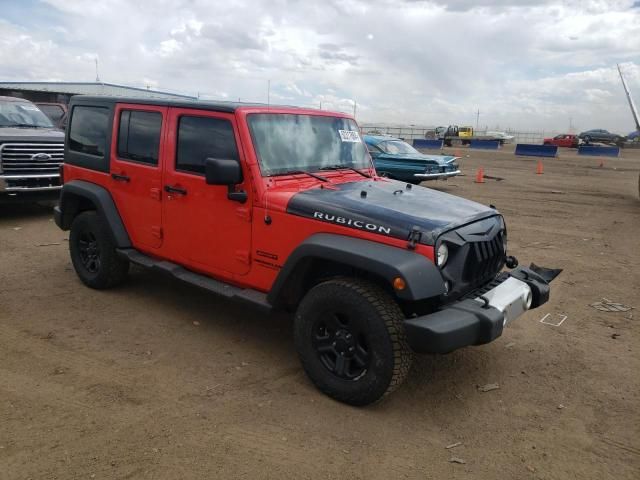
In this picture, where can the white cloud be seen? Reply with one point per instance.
(531, 64)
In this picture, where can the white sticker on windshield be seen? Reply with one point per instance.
(349, 136)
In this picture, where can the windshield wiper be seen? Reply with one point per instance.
(295, 172)
(345, 167)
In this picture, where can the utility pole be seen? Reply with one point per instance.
(354, 109)
(634, 112)
(477, 118)
(97, 76)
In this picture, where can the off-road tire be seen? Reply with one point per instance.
(111, 269)
(389, 354)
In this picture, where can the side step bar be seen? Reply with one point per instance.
(252, 296)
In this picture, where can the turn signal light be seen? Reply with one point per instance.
(399, 283)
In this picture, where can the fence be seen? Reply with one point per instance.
(409, 133)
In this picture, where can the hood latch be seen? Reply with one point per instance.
(414, 237)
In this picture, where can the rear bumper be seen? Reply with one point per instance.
(479, 320)
(432, 176)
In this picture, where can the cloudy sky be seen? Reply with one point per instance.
(529, 64)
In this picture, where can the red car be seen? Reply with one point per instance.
(563, 140)
(282, 208)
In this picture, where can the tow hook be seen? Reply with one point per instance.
(511, 262)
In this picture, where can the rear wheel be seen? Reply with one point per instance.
(350, 337)
(93, 252)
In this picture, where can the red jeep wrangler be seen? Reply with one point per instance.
(281, 207)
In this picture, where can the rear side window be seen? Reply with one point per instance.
(200, 138)
(88, 131)
(54, 112)
(139, 136)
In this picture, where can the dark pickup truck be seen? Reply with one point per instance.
(31, 151)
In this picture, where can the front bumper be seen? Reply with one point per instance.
(432, 176)
(479, 318)
(15, 183)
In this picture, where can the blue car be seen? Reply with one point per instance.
(397, 159)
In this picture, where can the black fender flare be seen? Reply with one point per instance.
(423, 279)
(70, 205)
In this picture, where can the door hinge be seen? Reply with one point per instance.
(156, 193)
(242, 256)
(156, 231)
(244, 213)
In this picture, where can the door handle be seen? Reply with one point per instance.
(120, 178)
(178, 190)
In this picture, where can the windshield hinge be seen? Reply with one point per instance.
(414, 237)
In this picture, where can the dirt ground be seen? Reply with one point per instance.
(157, 379)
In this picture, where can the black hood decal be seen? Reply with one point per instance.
(388, 208)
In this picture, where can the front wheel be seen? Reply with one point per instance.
(350, 337)
(93, 252)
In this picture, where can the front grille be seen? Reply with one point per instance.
(484, 260)
(31, 158)
(476, 255)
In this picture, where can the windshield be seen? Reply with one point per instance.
(22, 114)
(291, 142)
(396, 146)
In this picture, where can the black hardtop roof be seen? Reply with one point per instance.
(217, 106)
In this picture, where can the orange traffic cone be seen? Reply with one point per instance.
(540, 168)
(480, 176)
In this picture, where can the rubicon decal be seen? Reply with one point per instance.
(349, 222)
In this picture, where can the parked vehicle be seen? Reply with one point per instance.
(603, 136)
(454, 135)
(563, 140)
(465, 131)
(282, 208)
(397, 159)
(31, 151)
(503, 137)
(57, 113)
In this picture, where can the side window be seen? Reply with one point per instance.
(54, 112)
(200, 138)
(373, 149)
(88, 130)
(139, 136)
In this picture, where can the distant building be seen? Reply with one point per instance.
(61, 92)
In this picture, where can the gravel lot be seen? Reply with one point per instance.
(157, 379)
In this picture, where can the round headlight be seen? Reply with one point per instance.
(442, 254)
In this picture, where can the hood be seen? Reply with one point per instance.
(388, 207)
(440, 160)
(23, 134)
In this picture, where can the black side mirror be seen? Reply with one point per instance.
(219, 171)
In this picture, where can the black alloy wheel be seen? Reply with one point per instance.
(89, 251)
(93, 252)
(341, 345)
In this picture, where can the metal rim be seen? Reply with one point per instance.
(340, 343)
(89, 251)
